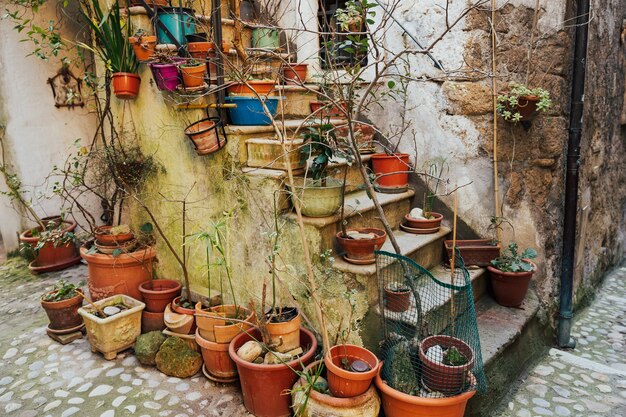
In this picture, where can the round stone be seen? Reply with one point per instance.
(111, 310)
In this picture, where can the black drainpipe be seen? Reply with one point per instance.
(563, 336)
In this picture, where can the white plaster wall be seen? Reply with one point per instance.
(38, 136)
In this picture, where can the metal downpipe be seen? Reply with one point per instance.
(563, 335)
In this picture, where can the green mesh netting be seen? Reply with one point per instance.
(431, 346)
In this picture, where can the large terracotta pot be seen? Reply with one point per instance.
(265, 388)
(158, 293)
(391, 171)
(443, 378)
(217, 361)
(510, 288)
(344, 383)
(318, 404)
(361, 251)
(399, 404)
(51, 257)
(126, 85)
(110, 275)
(63, 314)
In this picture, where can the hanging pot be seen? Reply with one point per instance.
(193, 76)
(143, 46)
(179, 21)
(391, 172)
(125, 85)
(205, 136)
(166, 76)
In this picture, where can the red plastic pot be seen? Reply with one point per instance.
(265, 387)
(443, 378)
(126, 85)
(63, 314)
(510, 288)
(295, 73)
(343, 383)
(385, 168)
(158, 293)
(362, 250)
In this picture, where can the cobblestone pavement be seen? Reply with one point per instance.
(39, 377)
(589, 381)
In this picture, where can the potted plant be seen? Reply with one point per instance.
(164, 70)
(193, 73)
(350, 370)
(510, 275)
(113, 324)
(205, 135)
(262, 87)
(425, 220)
(446, 369)
(249, 111)
(53, 244)
(359, 244)
(397, 297)
(521, 103)
(110, 34)
(479, 252)
(144, 45)
(61, 305)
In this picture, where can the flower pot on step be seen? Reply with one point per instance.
(391, 172)
(252, 88)
(363, 134)
(440, 377)
(397, 299)
(479, 252)
(125, 85)
(250, 110)
(295, 73)
(361, 251)
(510, 288)
(122, 274)
(158, 293)
(165, 76)
(116, 333)
(317, 198)
(362, 368)
(327, 109)
(284, 329)
(268, 153)
(143, 46)
(265, 387)
(217, 361)
(424, 226)
(205, 136)
(318, 404)
(399, 404)
(63, 315)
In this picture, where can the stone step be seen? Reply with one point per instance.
(511, 338)
(297, 99)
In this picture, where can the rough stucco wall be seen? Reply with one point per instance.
(38, 135)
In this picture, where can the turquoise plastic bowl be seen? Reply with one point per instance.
(179, 24)
(249, 110)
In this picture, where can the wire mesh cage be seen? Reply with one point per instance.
(430, 346)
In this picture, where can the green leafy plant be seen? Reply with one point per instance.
(62, 290)
(508, 102)
(513, 261)
(351, 17)
(452, 357)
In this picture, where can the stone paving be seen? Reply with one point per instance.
(589, 381)
(39, 377)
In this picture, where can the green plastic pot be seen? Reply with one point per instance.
(265, 38)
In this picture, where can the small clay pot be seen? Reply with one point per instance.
(105, 238)
(63, 314)
(510, 288)
(432, 224)
(397, 301)
(443, 378)
(362, 250)
(344, 383)
(295, 73)
(158, 293)
(216, 359)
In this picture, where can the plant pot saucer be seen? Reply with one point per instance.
(417, 231)
(392, 190)
(199, 89)
(40, 269)
(60, 332)
(217, 379)
(359, 261)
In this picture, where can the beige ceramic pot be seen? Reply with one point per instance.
(317, 200)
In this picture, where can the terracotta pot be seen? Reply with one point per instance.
(295, 73)
(510, 288)
(126, 85)
(265, 388)
(397, 301)
(479, 252)
(143, 46)
(193, 76)
(217, 328)
(205, 136)
(344, 383)
(152, 321)
(51, 257)
(526, 107)
(315, 200)
(216, 358)
(262, 88)
(445, 378)
(327, 109)
(200, 50)
(363, 133)
(362, 250)
(180, 324)
(434, 223)
(384, 167)
(399, 404)
(285, 336)
(181, 310)
(162, 3)
(110, 275)
(63, 314)
(158, 293)
(103, 236)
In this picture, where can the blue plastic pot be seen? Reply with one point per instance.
(249, 110)
(179, 24)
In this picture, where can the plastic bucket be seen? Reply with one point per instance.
(249, 110)
(180, 22)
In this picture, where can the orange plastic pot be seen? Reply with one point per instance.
(193, 76)
(265, 387)
(111, 275)
(64, 314)
(126, 85)
(362, 250)
(143, 46)
(158, 293)
(344, 383)
(510, 288)
(391, 171)
(262, 87)
(216, 359)
(399, 404)
(295, 73)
